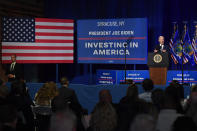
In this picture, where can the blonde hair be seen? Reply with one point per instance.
(46, 93)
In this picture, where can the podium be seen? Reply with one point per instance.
(158, 64)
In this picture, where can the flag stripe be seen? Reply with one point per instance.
(53, 34)
(36, 44)
(55, 37)
(40, 58)
(54, 30)
(54, 41)
(54, 27)
(35, 51)
(40, 61)
(54, 20)
(37, 47)
(38, 54)
(54, 24)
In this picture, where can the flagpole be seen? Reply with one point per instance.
(57, 73)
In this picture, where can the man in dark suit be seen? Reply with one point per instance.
(68, 96)
(14, 70)
(161, 47)
(68, 99)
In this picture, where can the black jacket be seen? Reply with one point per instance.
(70, 98)
(16, 71)
(158, 47)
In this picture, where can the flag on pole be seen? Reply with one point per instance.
(187, 47)
(194, 45)
(38, 40)
(171, 45)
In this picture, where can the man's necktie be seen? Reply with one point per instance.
(12, 67)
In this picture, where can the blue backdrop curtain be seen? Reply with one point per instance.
(160, 14)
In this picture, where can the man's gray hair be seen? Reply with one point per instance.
(63, 121)
(143, 122)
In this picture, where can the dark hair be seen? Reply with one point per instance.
(184, 123)
(179, 87)
(173, 99)
(147, 85)
(105, 96)
(104, 117)
(64, 81)
(132, 92)
(8, 114)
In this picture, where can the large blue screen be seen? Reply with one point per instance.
(108, 40)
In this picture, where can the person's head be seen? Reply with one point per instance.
(143, 122)
(63, 121)
(64, 82)
(8, 115)
(161, 39)
(179, 87)
(104, 117)
(13, 58)
(105, 96)
(171, 98)
(132, 92)
(184, 123)
(147, 85)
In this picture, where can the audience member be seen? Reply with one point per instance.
(45, 94)
(148, 86)
(179, 87)
(68, 97)
(103, 118)
(43, 100)
(8, 117)
(63, 120)
(130, 106)
(174, 92)
(168, 114)
(184, 123)
(143, 122)
(157, 98)
(127, 108)
(105, 96)
(192, 106)
(20, 98)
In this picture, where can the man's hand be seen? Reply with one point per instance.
(11, 76)
(163, 50)
(155, 51)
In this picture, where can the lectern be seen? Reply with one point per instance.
(158, 64)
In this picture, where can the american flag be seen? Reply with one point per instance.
(38, 40)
